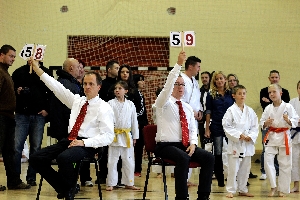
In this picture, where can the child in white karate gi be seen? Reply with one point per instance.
(240, 125)
(126, 133)
(295, 136)
(278, 117)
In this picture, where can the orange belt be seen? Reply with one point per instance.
(280, 130)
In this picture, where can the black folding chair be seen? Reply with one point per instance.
(149, 132)
(94, 160)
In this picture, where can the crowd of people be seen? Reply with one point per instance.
(87, 113)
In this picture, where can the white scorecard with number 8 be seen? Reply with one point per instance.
(39, 52)
(27, 51)
(188, 38)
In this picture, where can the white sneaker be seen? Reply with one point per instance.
(89, 184)
(263, 177)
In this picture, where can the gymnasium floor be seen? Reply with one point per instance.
(258, 187)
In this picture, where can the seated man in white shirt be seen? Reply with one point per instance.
(96, 129)
(169, 136)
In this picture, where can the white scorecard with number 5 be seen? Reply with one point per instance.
(175, 39)
(188, 37)
(27, 51)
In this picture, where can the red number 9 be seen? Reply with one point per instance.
(38, 54)
(189, 39)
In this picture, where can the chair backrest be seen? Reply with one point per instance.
(149, 132)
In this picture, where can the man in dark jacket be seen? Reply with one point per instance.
(32, 107)
(60, 113)
(107, 93)
(7, 119)
(107, 90)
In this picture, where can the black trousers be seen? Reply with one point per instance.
(138, 150)
(177, 152)
(66, 176)
(201, 133)
(7, 146)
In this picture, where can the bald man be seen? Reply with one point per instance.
(59, 113)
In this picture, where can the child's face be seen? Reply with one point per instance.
(298, 89)
(274, 93)
(240, 96)
(120, 91)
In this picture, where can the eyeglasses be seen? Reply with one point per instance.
(179, 84)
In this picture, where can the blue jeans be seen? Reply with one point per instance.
(32, 125)
(7, 135)
(262, 160)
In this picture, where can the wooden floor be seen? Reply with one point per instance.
(258, 187)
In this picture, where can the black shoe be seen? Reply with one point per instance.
(31, 182)
(69, 195)
(19, 186)
(221, 184)
(203, 198)
(77, 188)
(53, 162)
(60, 195)
(102, 181)
(252, 175)
(2, 188)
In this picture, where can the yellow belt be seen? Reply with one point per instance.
(120, 131)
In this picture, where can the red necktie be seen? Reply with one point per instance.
(74, 132)
(184, 125)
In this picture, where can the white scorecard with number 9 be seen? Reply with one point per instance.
(188, 37)
(27, 51)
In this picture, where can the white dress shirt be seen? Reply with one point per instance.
(167, 113)
(98, 124)
(192, 93)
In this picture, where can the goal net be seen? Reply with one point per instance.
(136, 33)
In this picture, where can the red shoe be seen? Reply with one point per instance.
(137, 174)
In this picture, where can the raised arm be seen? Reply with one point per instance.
(63, 94)
(171, 79)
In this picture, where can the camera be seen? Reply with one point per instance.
(25, 90)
